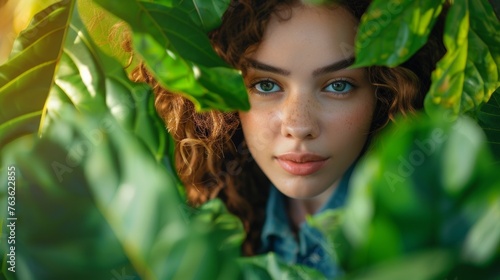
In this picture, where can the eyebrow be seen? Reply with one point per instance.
(268, 68)
(336, 66)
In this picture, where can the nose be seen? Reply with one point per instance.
(299, 117)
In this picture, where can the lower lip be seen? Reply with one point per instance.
(301, 168)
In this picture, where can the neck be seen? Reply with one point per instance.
(298, 209)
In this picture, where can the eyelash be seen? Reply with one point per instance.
(252, 87)
(342, 80)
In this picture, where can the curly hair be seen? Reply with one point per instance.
(212, 159)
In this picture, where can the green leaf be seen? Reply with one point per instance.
(489, 120)
(449, 77)
(107, 31)
(392, 31)
(458, 168)
(29, 73)
(96, 84)
(213, 215)
(424, 184)
(269, 266)
(483, 240)
(179, 54)
(58, 225)
(206, 14)
(326, 222)
(425, 265)
(103, 142)
(186, 39)
(120, 178)
(469, 72)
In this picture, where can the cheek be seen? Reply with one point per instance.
(362, 114)
(250, 123)
(355, 117)
(260, 120)
(351, 124)
(246, 124)
(361, 119)
(257, 135)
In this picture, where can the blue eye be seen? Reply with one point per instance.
(339, 87)
(266, 86)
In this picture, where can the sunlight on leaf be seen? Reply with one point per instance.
(171, 44)
(394, 30)
(469, 72)
(29, 73)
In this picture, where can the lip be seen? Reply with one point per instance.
(301, 164)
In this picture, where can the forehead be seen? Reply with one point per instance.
(317, 35)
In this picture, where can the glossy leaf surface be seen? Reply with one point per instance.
(206, 14)
(29, 73)
(394, 30)
(469, 72)
(176, 49)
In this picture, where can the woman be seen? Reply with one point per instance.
(311, 118)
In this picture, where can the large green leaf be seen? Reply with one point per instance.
(95, 83)
(213, 214)
(470, 70)
(489, 119)
(107, 31)
(60, 233)
(116, 179)
(392, 31)
(26, 78)
(102, 142)
(426, 185)
(177, 51)
(206, 14)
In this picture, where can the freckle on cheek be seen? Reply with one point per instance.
(348, 123)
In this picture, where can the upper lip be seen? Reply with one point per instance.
(301, 157)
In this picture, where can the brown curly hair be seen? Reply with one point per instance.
(211, 157)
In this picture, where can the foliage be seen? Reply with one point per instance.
(397, 216)
(470, 37)
(189, 65)
(96, 195)
(489, 119)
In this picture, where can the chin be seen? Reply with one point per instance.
(300, 191)
(301, 196)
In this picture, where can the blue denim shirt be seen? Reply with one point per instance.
(311, 247)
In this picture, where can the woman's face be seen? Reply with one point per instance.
(310, 116)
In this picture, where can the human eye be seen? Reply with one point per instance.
(265, 87)
(339, 87)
